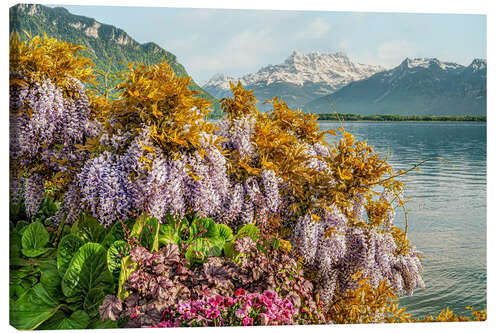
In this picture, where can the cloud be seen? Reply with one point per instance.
(392, 52)
(241, 53)
(316, 29)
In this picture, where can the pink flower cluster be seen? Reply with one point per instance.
(244, 309)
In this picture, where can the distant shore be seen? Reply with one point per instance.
(356, 117)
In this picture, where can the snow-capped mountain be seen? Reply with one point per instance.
(421, 86)
(299, 79)
(219, 85)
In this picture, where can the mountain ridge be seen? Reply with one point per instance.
(418, 86)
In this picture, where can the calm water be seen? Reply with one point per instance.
(447, 221)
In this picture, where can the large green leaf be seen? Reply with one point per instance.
(248, 230)
(33, 308)
(89, 229)
(204, 227)
(114, 257)
(67, 248)
(224, 232)
(78, 320)
(50, 278)
(34, 240)
(146, 230)
(127, 267)
(87, 270)
(168, 235)
(93, 301)
(201, 248)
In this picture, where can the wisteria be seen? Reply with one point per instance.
(33, 193)
(339, 251)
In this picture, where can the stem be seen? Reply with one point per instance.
(404, 172)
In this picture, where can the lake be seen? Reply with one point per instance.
(447, 219)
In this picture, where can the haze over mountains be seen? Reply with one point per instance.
(313, 81)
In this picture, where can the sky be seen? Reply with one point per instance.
(238, 42)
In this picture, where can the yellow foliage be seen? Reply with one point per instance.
(243, 103)
(48, 58)
(156, 97)
(369, 305)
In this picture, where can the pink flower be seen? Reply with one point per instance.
(247, 321)
(228, 302)
(241, 313)
(264, 318)
(270, 294)
(214, 314)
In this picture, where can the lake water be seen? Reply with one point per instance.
(447, 219)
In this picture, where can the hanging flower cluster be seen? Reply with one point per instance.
(49, 116)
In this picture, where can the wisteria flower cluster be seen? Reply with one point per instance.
(338, 250)
(47, 124)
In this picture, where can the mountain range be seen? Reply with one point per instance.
(299, 79)
(421, 86)
(110, 48)
(320, 83)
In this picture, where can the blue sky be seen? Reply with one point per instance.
(238, 42)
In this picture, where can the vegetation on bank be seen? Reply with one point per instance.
(129, 209)
(395, 117)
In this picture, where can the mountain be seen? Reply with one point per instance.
(421, 86)
(107, 46)
(299, 79)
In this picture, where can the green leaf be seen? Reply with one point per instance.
(204, 227)
(146, 230)
(198, 251)
(117, 232)
(87, 270)
(33, 253)
(50, 278)
(114, 257)
(93, 300)
(127, 267)
(99, 324)
(78, 320)
(168, 235)
(32, 308)
(248, 230)
(34, 240)
(224, 232)
(89, 229)
(67, 248)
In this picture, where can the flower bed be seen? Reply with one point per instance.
(129, 209)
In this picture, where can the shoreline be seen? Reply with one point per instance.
(398, 118)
